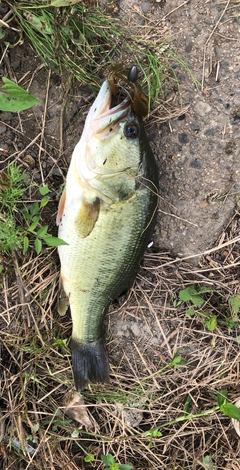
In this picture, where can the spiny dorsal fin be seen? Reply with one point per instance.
(87, 217)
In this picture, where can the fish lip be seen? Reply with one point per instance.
(102, 117)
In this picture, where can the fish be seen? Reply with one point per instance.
(106, 215)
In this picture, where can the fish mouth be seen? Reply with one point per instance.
(103, 118)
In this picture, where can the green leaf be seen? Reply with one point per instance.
(187, 404)
(221, 397)
(154, 432)
(207, 461)
(89, 458)
(124, 466)
(60, 342)
(40, 22)
(44, 201)
(38, 245)
(190, 311)
(1, 268)
(234, 302)
(63, 3)
(2, 34)
(211, 324)
(232, 322)
(204, 290)
(25, 244)
(190, 293)
(53, 241)
(177, 360)
(44, 190)
(34, 209)
(34, 223)
(36, 427)
(108, 459)
(230, 410)
(42, 231)
(13, 98)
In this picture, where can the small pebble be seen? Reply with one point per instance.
(183, 138)
(188, 44)
(234, 122)
(182, 117)
(196, 163)
(194, 144)
(135, 329)
(195, 126)
(5, 116)
(2, 128)
(56, 172)
(146, 7)
(211, 131)
(202, 108)
(29, 160)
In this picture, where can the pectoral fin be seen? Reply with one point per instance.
(87, 217)
(61, 206)
(63, 300)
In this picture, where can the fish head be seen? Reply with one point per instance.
(109, 154)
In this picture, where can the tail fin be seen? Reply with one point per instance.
(90, 363)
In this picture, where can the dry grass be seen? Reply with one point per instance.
(144, 392)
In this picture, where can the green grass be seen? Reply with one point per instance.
(20, 223)
(85, 42)
(197, 301)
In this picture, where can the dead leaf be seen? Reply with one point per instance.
(77, 410)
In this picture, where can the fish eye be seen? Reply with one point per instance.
(131, 130)
(133, 74)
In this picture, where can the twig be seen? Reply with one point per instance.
(43, 127)
(21, 290)
(208, 39)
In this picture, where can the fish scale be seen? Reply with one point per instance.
(112, 252)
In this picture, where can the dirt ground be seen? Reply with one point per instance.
(199, 167)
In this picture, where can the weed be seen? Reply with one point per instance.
(196, 297)
(13, 98)
(86, 42)
(234, 303)
(192, 294)
(89, 458)
(229, 409)
(110, 463)
(20, 225)
(207, 462)
(154, 432)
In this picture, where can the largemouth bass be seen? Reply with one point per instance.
(106, 215)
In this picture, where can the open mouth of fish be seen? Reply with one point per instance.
(103, 117)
